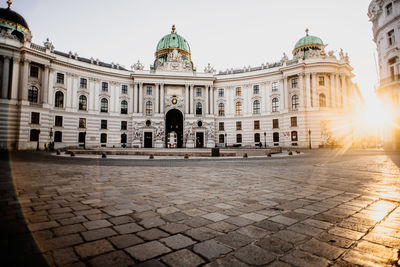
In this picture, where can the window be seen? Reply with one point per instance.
(103, 138)
(389, 9)
(59, 100)
(322, 101)
(275, 137)
(123, 138)
(124, 125)
(238, 125)
(149, 90)
(238, 108)
(104, 87)
(60, 78)
(124, 89)
(238, 138)
(391, 38)
(199, 109)
(198, 91)
(256, 107)
(124, 107)
(256, 89)
(220, 92)
(149, 108)
(34, 72)
(34, 135)
(256, 125)
(81, 137)
(221, 126)
(295, 102)
(238, 91)
(221, 109)
(221, 139)
(275, 123)
(83, 83)
(104, 105)
(58, 136)
(274, 86)
(82, 102)
(257, 138)
(321, 80)
(294, 136)
(35, 117)
(103, 124)
(58, 121)
(293, 121)
(294, 83)
(82, 123)
(33, 94)
(275, 104)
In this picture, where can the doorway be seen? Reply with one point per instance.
(174, 123)
(148, 139)
(200, 140)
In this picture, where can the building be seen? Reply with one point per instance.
(385, 18)
(51, 96)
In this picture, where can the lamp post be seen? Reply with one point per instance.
(84, 140)
(226, 141)
(265, 140)
(309, 139)
(51, 147)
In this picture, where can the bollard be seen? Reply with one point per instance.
(151, 156)
(58, 152)
(103, 156)
(72, 154)
(186, 156)
(245, 155)
(290, 153)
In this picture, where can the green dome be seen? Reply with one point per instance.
(308, 40)
(173, 41)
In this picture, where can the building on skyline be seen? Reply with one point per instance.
(52, 96)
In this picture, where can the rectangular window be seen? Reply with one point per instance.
(238, 125)
(83, 83)
(34, 135)
(294, 83)
(221, 126)
(256, 89)
(256, 125)
(238, 91)
(321, 80)
(124, 89)
(389, 9)
(82, 122)
(198, 91)
(103, 124)
(221, 139)
(57, 136)
(293, 121)
(257, 138)
(34, 72)
(238, 138)
(124, 125)
(149, 90)
(391, 38)
(275, 123)
(274, 86)
(35, 117)
(60, 78)
(104, 87)
(220, 92)
(58, 121)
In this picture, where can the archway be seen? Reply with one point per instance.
(174, 123)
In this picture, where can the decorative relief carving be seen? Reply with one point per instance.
(137, 66)
(209, 69)
(175, 63)
(8, 34)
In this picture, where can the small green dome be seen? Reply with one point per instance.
(172, 41)
(308, 40)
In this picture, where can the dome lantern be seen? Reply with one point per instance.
(307, 43)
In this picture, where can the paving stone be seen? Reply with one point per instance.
(93, 248)
(317, 224)
(365, 259)
(68, 229)
(151, 263)
(196, 222)
(64, 256)
(299, 258)
(124, 241)
(194, 212)
(210, 249)
(152, 234)
(175, 217)
(61, 242)
(73, 220)
(121, 220)
(239, 221)
(167, 210)
(96, 224)
(222, 227)
(322, 249)
(254, 255)
(350, 234)
(254, 216)
(98, 234)
(283, 220)
(174, 228)
(183, 257)
(385, 240)
(234, 240)
(270, 226)
(128, 228)
(43, 225)
(177, 241)
(305, 229)
(115, 258)
(120, 212)
(202, 233)
(215, 217)
(335, 240)
(229, 260)
(292, 237)
(253, 231)
(377, 250)
(147, 250)
(152, 222)
(275, 245)
(223, 206)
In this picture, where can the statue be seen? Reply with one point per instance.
(331, 53)
(284, 58)
(209, 69)
(341, 54)
(49, 45)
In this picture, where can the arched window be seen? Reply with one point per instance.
(82, 102)
(257, 138)
(58, 136)
(124, 107)
(294, 136)
(239, 138)
(123, 138)
(103, 138)
(275, 104)
(33, 94)
(275, 137)
(295, 102)
(221, 109)
(59, 100)
(199, 108)
(149, 108)
(104, 105)
(322, 100)
(256, 107)
(238, 108)
(221, 139)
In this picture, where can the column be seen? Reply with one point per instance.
(130, 101)
(45, 86)
(314, 90)
(50, 87)
(282, 94)
(69, 85)
(337, 90)
(301, 87)
(135, 98)
(207, 98)
(162, 98)
(343, 90)
(140, 97)
(186, 99)
(91, 94)
(157, 104)
(23, 90)
(308, 90)
(97, 95)
(6, 72)
(15, 79)
(191, 98)
(75, 85)
(285, 93)
(212, 104)
(332, 91)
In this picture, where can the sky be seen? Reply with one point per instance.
(224, 33)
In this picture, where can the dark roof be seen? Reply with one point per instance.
(8, 14)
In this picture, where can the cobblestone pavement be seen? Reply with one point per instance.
(322, 208)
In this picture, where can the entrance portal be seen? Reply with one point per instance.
(148, 139)
(174, 123)
(199, 140)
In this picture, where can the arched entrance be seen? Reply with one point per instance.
(174, 123)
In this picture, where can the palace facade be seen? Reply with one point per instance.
(51, 96)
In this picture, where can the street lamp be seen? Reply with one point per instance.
(309, 139)
(265, 140)
(226, 141)
(51, 146)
